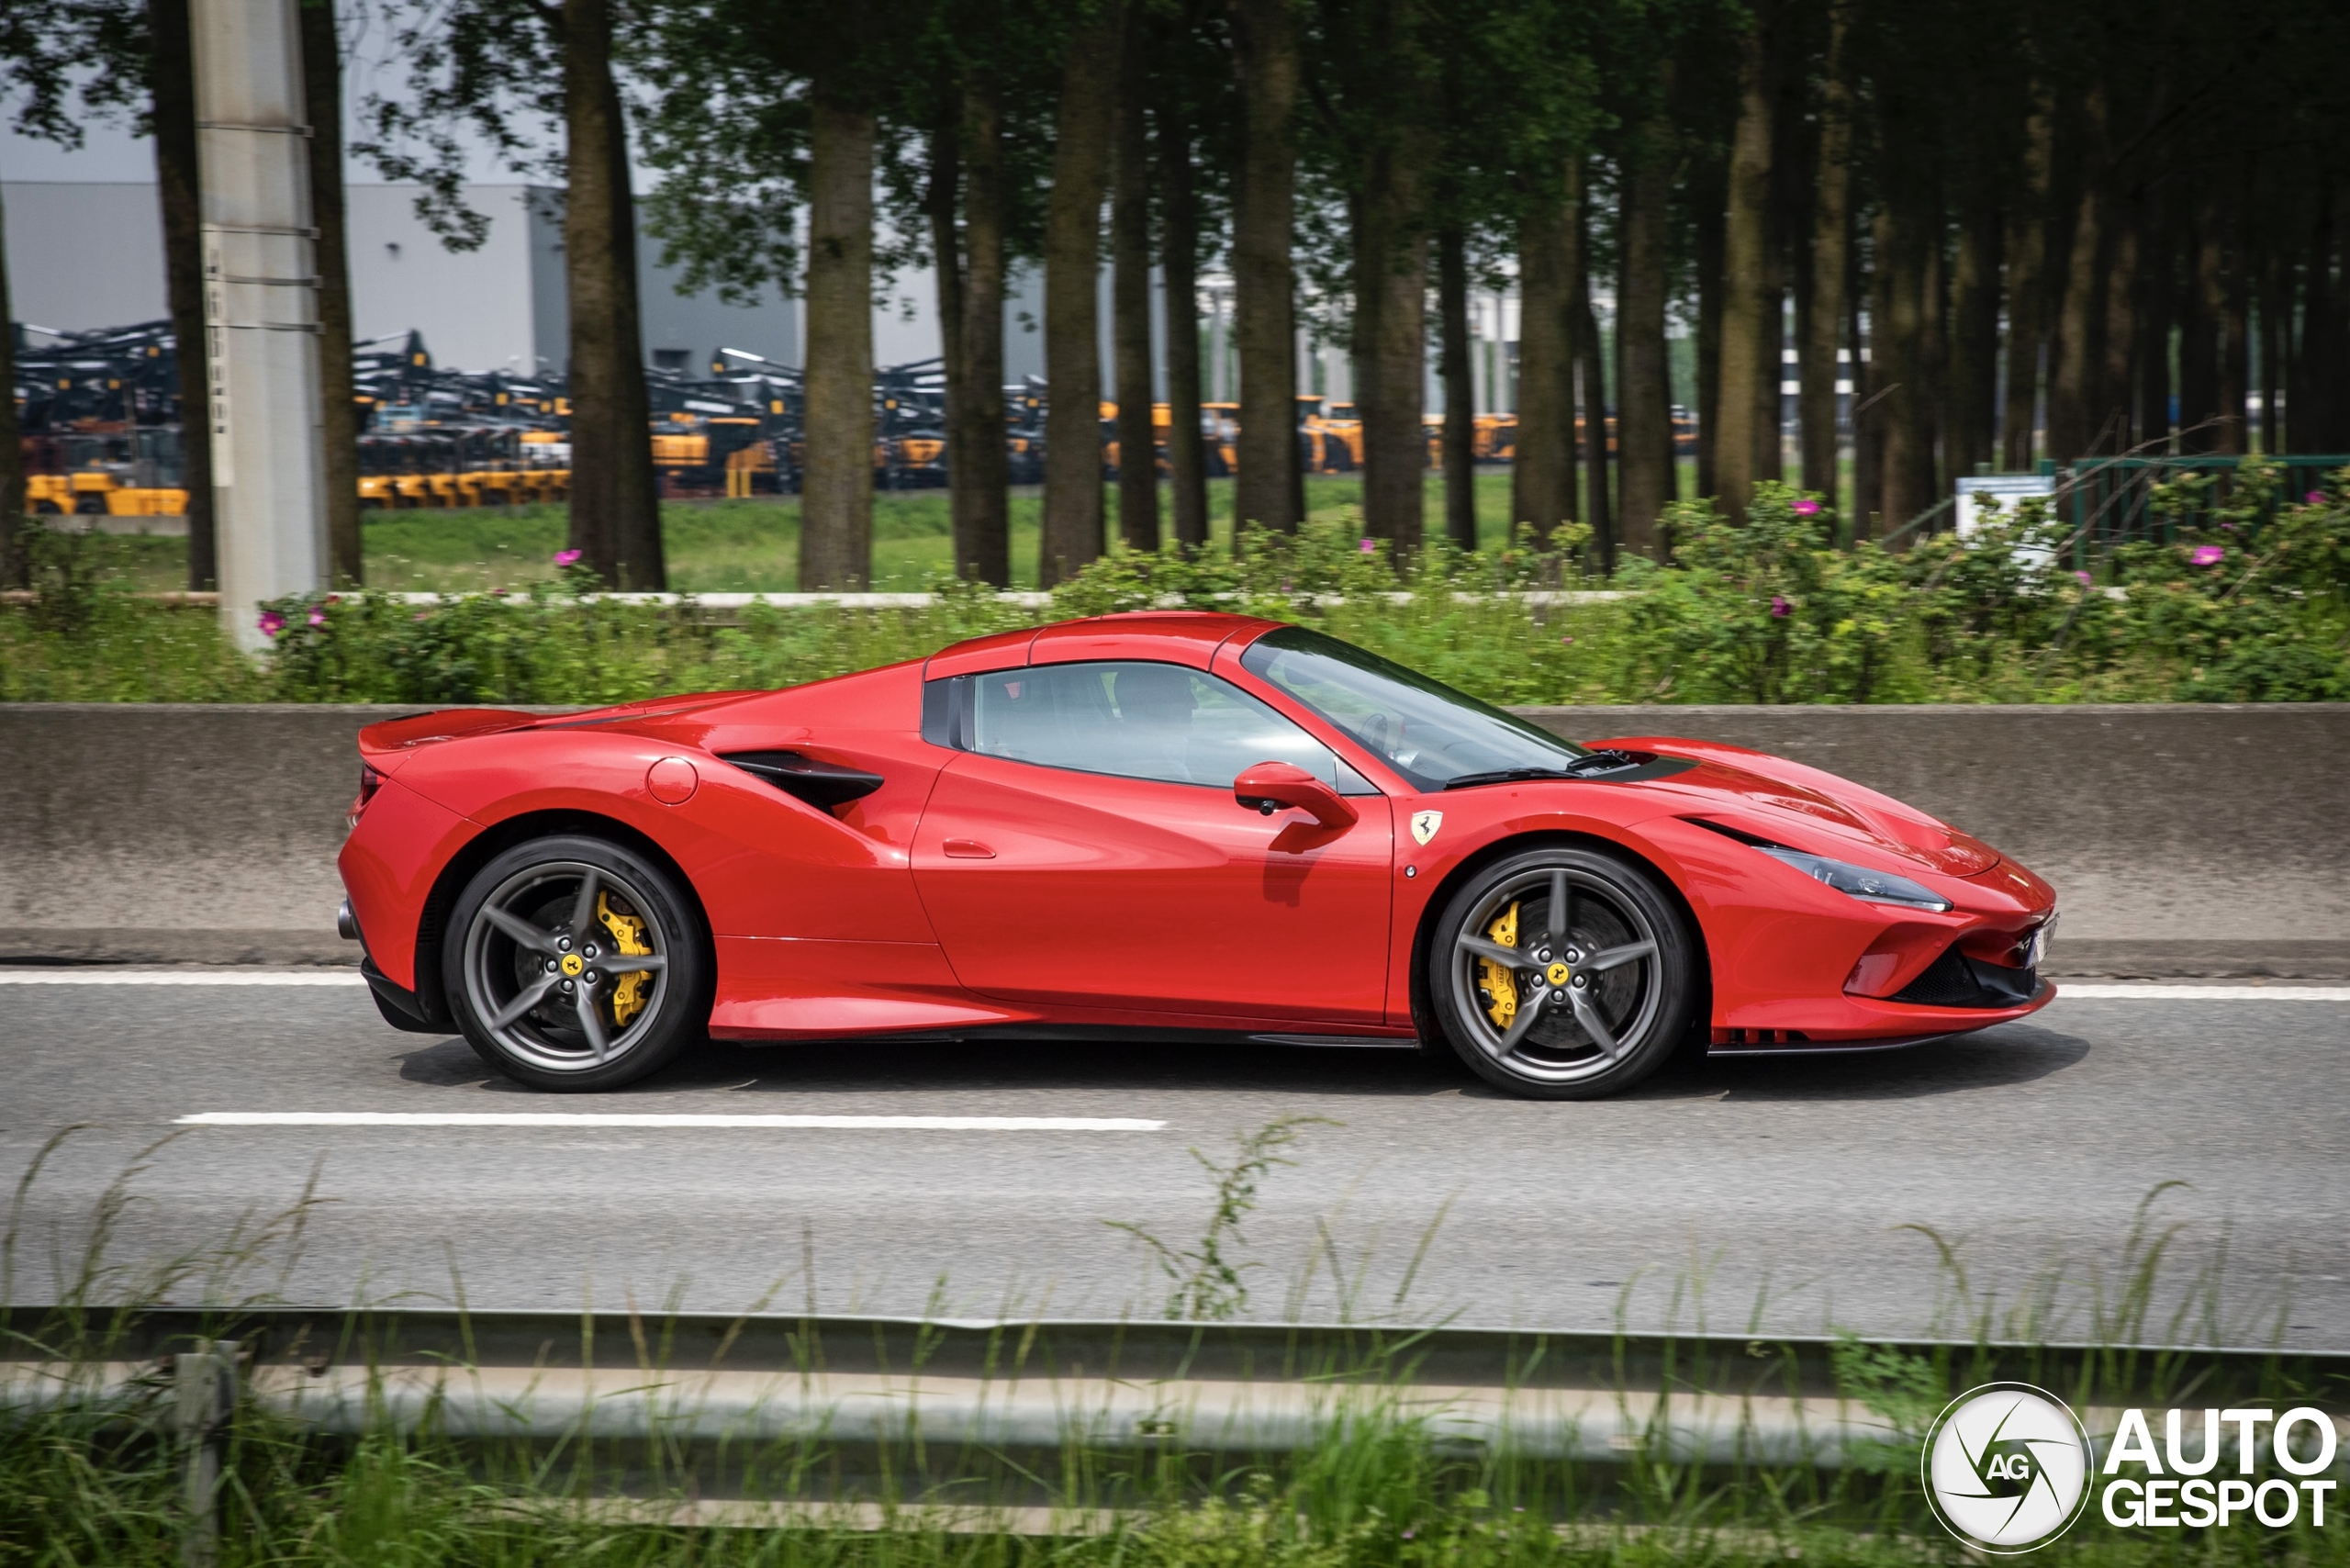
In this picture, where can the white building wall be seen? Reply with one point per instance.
(84, 254)
(477, 310)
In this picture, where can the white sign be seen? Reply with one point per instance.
(2007, 489)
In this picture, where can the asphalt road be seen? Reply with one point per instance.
(1748, 1194)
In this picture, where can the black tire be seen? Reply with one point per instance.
(582, 896)
(1507, 1021)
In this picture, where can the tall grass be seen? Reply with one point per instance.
(91, 1471)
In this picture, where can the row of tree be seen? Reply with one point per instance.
(2006, 230)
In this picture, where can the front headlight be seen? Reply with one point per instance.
(1859, 881)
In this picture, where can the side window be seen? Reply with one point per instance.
(1138, 720)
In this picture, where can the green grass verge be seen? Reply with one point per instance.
(2252, 603)
(720, 546)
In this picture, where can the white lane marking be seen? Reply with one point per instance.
(2204, 992)
(661, 1119)
(180, 976)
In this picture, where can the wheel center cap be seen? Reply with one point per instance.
(1557, 974)
(573, 964)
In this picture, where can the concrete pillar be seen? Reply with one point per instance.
(260, 316)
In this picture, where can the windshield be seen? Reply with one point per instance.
(1423, 729)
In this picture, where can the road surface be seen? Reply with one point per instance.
(1759, 1193)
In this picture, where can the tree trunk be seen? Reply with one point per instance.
(615, 502)
(14, 571)
(1264, 311)
(2332, 361)
(2071, 384)
(1130, 296)
(1590, 377)
(2235, 338)
(1932, 407)
(2273, 313)
(1770, 434)
(2027, 249)
(338, 412)
(172, 89)
(1460, 389)
(2112, 415)
(1974, 332)
(1750, 318)
(1643, 386)
(981, 500)
(942, 205)
(1542, 476)
(2329, 308)
(1391, 275)
(2312, 366)
(836, 485)
(1868, 384)
(2199, 335)
(1705, 193)
(1831, 247)
(1908, 473)
(1082, 130)
(1179, 268)
(2156, 304)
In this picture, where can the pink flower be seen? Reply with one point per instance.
(566, 557)
(2208, 556)
(317, 616)
(271, 623)
(1779, 607)
(1807, 508)
(2085, 578)
(1367, 547)
(2315, 498)
(1567, 642)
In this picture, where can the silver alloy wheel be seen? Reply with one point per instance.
(1584, 968)
(543, 970)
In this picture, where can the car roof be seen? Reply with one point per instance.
(1167, 636)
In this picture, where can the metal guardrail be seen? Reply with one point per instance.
(2110, 500)
(1223, 1388)
(853, 1422)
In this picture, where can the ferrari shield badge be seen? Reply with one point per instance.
(1424, 825)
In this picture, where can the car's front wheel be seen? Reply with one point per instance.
(1562, 973)
(575, 964)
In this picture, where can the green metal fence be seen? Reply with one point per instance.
(2109, 499)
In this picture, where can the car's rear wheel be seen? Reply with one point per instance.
(575, 964)
(1562, 973)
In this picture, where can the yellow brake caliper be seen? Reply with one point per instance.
(628, 937)
(1495, 980)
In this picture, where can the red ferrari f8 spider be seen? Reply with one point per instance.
(1155, 825)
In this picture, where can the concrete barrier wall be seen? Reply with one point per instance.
(165, 833)
(2195, 839)
(2192, 840)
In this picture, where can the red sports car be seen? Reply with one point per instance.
(1155, 825)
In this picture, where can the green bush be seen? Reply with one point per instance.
(2251, 603)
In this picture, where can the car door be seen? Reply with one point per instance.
(1085, 850)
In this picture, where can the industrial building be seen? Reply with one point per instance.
(90, 253)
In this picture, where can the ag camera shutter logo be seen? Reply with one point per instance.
(2007, 1468)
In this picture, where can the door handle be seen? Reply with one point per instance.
(968, 849)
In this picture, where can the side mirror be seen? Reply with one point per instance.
(1269, 787)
